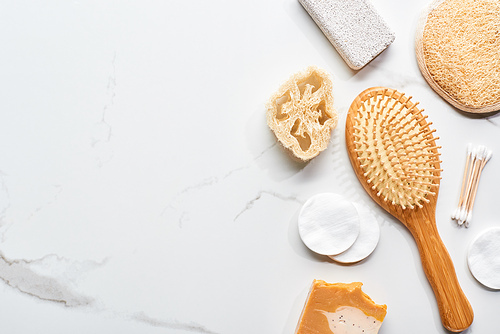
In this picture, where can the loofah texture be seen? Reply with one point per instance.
(301, 113)
(458, 47)
(395, 148)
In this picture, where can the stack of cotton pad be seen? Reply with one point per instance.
(484, 258)
(354, 28)
(344, 231)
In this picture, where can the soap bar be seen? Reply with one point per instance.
(340, 308)
(354, 28)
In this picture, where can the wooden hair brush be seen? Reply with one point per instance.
(395, 157)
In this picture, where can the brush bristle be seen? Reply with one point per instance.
(396, 149)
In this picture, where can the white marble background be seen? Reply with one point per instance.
(142, 192)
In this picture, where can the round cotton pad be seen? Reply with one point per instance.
(484, 258)
(369, 235)
(328, 224)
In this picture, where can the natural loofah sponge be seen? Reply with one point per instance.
(301, 113)
(458, 46)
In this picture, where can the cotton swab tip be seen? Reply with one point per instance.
(482, 152)
(475, 151)
(468, 219)
(463, 214)
(489, 154)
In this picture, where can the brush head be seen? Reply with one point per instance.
(392, 148)
(394, 155)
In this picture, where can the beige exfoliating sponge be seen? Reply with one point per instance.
(301, 113)
(457, 47)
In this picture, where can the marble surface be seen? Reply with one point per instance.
(141, 190)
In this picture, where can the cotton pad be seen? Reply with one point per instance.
(369, 235)
(328, 224)
(484, 258)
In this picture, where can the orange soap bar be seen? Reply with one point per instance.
(340, 308)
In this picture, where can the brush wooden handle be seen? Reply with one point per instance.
(454, 308)
(368, 115)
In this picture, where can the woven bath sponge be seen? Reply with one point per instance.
(461, 50)
(301, 113)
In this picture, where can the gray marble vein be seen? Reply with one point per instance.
(103, 125)
(259, 195)
(4, 199)
(261, 154)
(39, 279)
(188, 327)
(57, 191)
(216, 179)
(103, 129)
(183, 216)
(207, 182)
(5, 204)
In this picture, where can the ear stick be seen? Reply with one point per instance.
(473, 198)
(456, 214)
(477, 157)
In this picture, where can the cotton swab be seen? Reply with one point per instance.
(456, 214)
(486, 156)
(477, 157)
